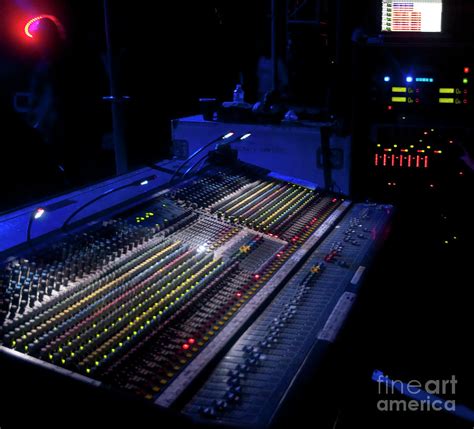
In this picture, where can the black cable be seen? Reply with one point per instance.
(221, 137)
(240, 138)
(30, 224)
(140, 182)
(195, 165)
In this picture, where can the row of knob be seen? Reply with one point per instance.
(267, 205)
(55, 316)
(189, 330)
(26, 283)
(253, 356)
(210, 189)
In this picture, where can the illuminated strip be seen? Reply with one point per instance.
(446, 100)
(254, 206)
(399, 89)
(401, 160)
(281, 200)
(36, 19)
(417, 161)
(85, 324)
(94, 295)
(393, 160)
(409, 160)
(125, 335)
(446, 90)
(248, 196)
(276, 213)
(376, 159)
(401, 100)
(426, 161)
(384, 160)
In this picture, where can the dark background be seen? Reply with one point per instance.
(413, 321)
(168, 55)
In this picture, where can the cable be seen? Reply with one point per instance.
(34, 215)
(195, 165)
(238, 139)
(221, 137)
(141, 182)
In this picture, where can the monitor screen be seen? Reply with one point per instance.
(413, 16)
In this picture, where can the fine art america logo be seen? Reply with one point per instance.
(424, 396)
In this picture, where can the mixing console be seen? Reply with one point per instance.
(200, 299)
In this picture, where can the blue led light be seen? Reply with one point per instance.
(424, 79)
(386, 79)
(409, 79)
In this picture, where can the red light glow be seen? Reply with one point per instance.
(32, 25)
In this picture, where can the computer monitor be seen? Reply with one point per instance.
(412, 16)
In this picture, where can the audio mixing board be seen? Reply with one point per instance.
(208, 298)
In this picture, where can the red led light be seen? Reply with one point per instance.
(191, 341)
(376, 159)
(467, 69)
(334, 200)
(185, 346)
(389, 107)
(238, 294)
(417, 161)
(256, 276)
(426, 162)
(461, 173)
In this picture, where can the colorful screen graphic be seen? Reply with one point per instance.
(421, 16)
